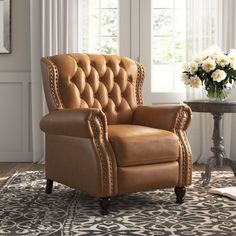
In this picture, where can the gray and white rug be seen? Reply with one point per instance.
(26, 210)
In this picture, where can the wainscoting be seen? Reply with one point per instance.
(15, 117)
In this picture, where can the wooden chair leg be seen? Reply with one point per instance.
(105, 203)
(180, 193)
(49, 186)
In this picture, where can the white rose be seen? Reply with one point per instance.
(198, 59)
(193, 67)
(205, 54)
(218, 75)
(185, 67)
(223, 60)
(215, 48)
(232, 52)
(215, 55)
(232, 58)
(195, 81)
(185, 79)
(208, 65)
(215, 52)
(233, 64)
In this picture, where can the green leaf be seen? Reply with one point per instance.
(232, 73)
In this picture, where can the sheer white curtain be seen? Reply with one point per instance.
(54, 30)
(209, 22)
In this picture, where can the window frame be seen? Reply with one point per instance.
(146, 59)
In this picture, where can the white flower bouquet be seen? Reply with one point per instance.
(214, 70)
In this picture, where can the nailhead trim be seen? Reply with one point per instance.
(182, 121)
(100, 142)
(139, 84)
(54, 84)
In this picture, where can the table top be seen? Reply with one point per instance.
(212, 106)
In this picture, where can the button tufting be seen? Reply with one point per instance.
(102, 82)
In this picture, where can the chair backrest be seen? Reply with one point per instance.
(108, 82)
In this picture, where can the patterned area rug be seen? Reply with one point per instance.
(26, 210)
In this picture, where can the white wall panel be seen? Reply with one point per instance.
(10, 117)
(15, 143)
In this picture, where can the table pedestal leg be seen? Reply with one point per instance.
(219, 156)
(211, 163)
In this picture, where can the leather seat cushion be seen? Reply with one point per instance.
(140, 145)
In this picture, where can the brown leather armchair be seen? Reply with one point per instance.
(99, 136)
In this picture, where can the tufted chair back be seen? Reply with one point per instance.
(109, 82)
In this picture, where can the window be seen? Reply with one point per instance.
(100, 26)
(150, 31)
(168, 44)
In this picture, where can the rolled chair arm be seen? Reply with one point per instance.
(174, 118)
(167, 117)
(88, 123)
(70, 122)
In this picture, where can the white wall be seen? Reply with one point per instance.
(15, 128)
(19, 59)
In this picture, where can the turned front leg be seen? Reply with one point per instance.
(49, 186)
(105, 203)
(180, 193)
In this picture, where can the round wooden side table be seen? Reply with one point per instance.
(219, 158)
